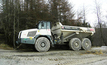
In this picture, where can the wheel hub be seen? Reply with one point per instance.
(76, 44)
(86, 44)
(43, 44)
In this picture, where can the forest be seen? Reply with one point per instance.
(17, 15)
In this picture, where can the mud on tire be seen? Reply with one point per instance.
(42, 44)
(75, 44)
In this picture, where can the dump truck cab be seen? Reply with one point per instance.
(29, 36)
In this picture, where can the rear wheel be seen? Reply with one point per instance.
(42, 44)
(75, 44)
(86, 44)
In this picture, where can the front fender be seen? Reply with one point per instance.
(47, 36)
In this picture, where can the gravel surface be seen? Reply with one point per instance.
(95, 56)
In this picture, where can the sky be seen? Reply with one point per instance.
(89, 6)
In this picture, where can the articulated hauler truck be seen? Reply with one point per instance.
(46, 35)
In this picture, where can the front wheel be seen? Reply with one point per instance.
(42, 44)
(86, 44)
(75, 44)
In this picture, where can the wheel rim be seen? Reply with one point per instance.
(76, 44)
(43, 44)
(87, 44)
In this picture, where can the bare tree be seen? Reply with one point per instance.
(98, 13)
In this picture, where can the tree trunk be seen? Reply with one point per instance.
(14, 28)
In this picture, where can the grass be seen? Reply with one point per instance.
(5, 47)
(99, 52)
(2, 45)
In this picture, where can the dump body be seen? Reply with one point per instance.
(58, 29)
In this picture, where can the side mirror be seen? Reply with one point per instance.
(36, 26)
(55, 24)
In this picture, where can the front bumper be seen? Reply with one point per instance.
(26, 41)
(18, 41)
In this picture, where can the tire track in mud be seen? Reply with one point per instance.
(60, 60)
(63, 57)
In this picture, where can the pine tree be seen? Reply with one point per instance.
(61, 11)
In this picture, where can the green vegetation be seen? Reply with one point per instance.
(5, 46)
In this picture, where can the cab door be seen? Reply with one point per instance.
(44, 28)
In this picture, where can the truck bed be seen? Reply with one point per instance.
(59, 29)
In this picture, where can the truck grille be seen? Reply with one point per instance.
(31, 34)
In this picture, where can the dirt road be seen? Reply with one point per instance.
(95, 56)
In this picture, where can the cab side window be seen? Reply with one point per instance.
(42, 25)
(48, 25)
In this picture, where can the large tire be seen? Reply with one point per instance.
(42, 44)
(86, 44)
(75, 44)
